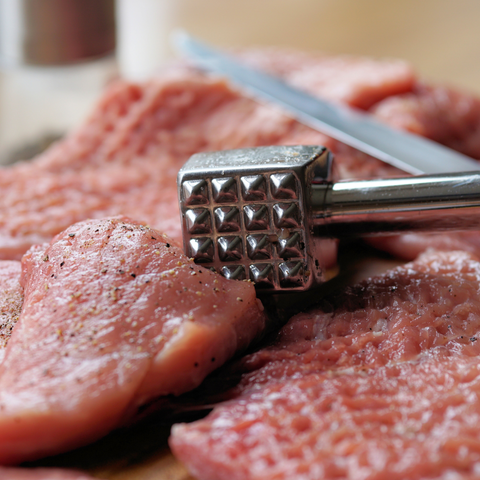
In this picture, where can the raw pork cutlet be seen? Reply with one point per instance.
(383, 382)
(11, 300)
(125, 158)
(41, 474)
(114, 316)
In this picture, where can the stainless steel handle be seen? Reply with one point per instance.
(390, 206)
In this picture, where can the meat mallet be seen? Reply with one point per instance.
(260, 213)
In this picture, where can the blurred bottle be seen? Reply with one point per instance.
(55, 58)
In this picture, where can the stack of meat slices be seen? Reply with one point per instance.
(124, 159)
(112, 314)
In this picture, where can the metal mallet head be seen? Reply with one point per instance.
(256, 213)
(244, 213)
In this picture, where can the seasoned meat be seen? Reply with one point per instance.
(114, 316)
(11, 300)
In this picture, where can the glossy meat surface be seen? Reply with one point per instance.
(380, 382)
(114, 316)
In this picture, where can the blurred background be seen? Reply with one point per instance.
(57, 55)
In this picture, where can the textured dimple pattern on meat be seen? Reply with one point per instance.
(381, 382)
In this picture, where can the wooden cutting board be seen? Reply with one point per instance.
(134, 453)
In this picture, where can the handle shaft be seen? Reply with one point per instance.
(391, 206)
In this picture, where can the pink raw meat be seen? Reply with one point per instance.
(114, 316)
(383, 382)
(410, 245)
(442, 114)
(124, 159)
(41, 474)
(11, 300)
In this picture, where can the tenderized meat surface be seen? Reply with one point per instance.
(11, 300)
(114, 316)
(381, 382)
(41, 474)
(124, 159)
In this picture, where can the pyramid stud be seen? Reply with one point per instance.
(195, 192)
(224, 190)
(259, 247)
(283, 185)
(262, 275)
(286, 215)
(256, 217)
(234, 272)
(254, 188)
(290, 247)
(198, 221)
(227, 219)
(201, 249)
(291, 274)
(230, 248)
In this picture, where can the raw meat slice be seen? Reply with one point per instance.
(41, 474)
(410, 245)
(382, 382)
(114, 316)
(11, 300)
(124, 159)
(439, 113)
